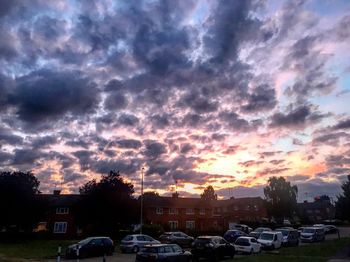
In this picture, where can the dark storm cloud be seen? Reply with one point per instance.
(198, 102)
(129, 143)
(344, 124)
(330, 138)
(6, 137)
(45, 141)
(295, 118)
(154, 149)
(186, 148)
(262, 98)
(85, 158)
(79, 142)
(115, 101)
(47, 95)
(229, 24)
(234, 122)
(128, 119)
(128, 167)
(26, 156)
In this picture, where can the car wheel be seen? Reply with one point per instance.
(135, 249)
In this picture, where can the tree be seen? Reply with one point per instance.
(209, 194)
(107, 205)
(21, 207)
(343, 203)
(281, 197)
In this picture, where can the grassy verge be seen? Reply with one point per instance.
(317, 252)
(33, 249)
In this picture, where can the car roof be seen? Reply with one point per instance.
(246, 238)
(209, 237)
(159, 245)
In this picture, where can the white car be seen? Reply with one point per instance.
(270, 240)
(133, 243)
(247, 245)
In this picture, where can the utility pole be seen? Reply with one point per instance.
(141, 211)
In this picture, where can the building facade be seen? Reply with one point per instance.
(195, 214)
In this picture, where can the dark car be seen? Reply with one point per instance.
(91, 247)
(290, 236)
(330, 229)
(163, 252)
(232, 235)
(212, 248)
(179, 238)
(256, 233)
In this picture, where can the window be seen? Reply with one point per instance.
(173, 211)
(159, 211)
(256, 208)
(60, 227)
(177, 249)
(202, 211)
(247, 207)
(140, 238)
(62, 210)
(42, 226)
(190, 224)
(189, 211)
(173, 224)
(168, 249)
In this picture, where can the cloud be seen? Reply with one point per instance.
(46, 95)
(296, 118)
(344, 124)
(154, 149)
(129, 143)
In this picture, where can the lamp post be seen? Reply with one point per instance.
(141, 211)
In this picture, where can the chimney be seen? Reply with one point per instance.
(56, 192)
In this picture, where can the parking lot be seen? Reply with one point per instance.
(119, 257)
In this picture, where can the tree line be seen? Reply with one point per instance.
(109, 204)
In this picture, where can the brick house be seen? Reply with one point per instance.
(59, 218)
(316, 211)
(195, 214)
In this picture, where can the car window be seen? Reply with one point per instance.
(222, 241)
(253, 240)
(140, 238)
(128, 238)
(96, 242)
(107, 241)
(178, 235)
(147, 238)
(168, 249)
(161, 250)
(177, 249)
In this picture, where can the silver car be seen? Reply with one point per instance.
(133, 243)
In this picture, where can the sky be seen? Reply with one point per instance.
(221, 93)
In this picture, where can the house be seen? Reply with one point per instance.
(316, 211)
(195, 214)
(59, 218)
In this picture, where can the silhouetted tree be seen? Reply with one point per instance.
(322, 198)
(281, 197)
(149, 196)
(107, 205)
(209, 194)
(343, 202)
(21, 208)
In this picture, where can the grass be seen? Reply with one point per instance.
(317, 252)
(32, 249)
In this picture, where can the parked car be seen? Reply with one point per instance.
(133, 243)
(300, 229)
(270, 239)
(232, 235)
(91, 247)
(312, 234)
(163, 252)
(212, 248)
(256, 233)
(330, 229)
(290, 236)
(176, 238)
(244, 228)
(247, 245)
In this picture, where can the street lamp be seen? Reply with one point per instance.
(141, 219)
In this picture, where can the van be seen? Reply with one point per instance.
(290, 236)
(312, 234)
(270, 240)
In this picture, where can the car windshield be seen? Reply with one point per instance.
(232, 232)
(266, 236)
(127, 238)
(285, 232)
(309, 230)
(84, 241)
(242, 242)
(260, 229)
(203, 240)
